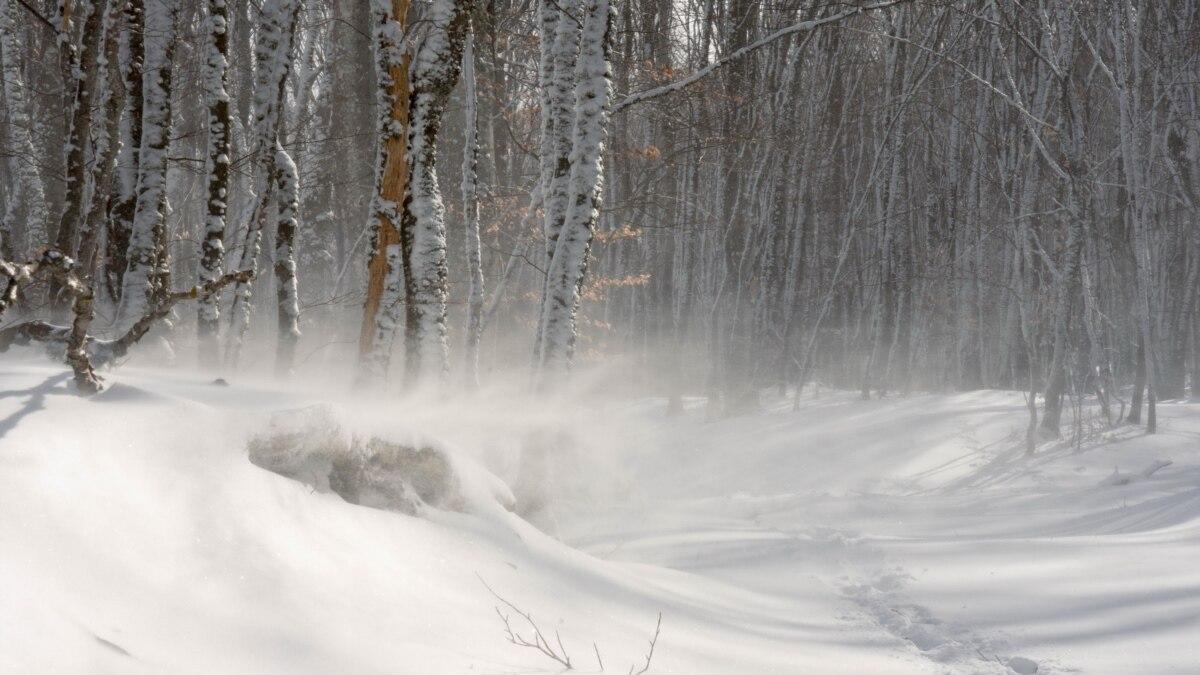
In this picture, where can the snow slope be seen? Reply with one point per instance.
(897, 536)
(925, 514)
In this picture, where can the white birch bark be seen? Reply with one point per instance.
(287, 208)
(470, 196)
(435, 70)
(273, 51)
(131, 57)
(565, 273)
(142, 283)
(212, 247)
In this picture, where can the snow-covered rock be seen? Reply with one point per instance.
(314, 446)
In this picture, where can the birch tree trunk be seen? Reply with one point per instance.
(131, 56)
(470, 195)
(274, 55)
(559, 47)
(142, 281)
(84, 78)
(385, 275)
(287, 220)
(212, 247)
(568, 265)
(105, 144)
(435, 70)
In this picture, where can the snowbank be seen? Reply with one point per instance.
(900, 536)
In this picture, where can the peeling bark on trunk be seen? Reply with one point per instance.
(381, 311)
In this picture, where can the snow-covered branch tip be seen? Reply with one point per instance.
(16, 275)
(107, 350)
(800, 27)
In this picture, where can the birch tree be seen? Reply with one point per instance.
(435, 71)
(287, 212)
(564, 275)
(144, 282)
(385, 275)
(470, 196)
(212, 247)
(131, 59)
(273, 52)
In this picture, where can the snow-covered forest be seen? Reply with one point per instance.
(679, 336)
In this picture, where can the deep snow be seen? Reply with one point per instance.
(909, 535)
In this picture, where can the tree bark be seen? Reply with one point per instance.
(212, 247)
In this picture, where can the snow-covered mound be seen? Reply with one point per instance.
(899, 536)
(318, 447)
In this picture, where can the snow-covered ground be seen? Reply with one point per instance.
(909, 535)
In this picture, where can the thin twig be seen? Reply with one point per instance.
(653, 643)
(540, 642)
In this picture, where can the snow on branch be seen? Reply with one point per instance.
(84, 352)
(62, 272)
(15, 275)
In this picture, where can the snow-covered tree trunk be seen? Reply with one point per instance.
(131, 55)
(559, 52)
(565, 274)
(83, 82)
(143, 281)
(212, 247)
(561, 100)
(435, 70)
(105, 144)
(287, 204)
(24, 216)
(470, 195)
(274, 55)
(385, 276)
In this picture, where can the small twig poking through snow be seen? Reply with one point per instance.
(543, 645)
(540, 642)
(653, 643)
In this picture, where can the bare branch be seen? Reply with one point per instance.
(802, 26)
(653, 644)
(540, 642)
(83, 351)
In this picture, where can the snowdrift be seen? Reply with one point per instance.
(900, 536)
